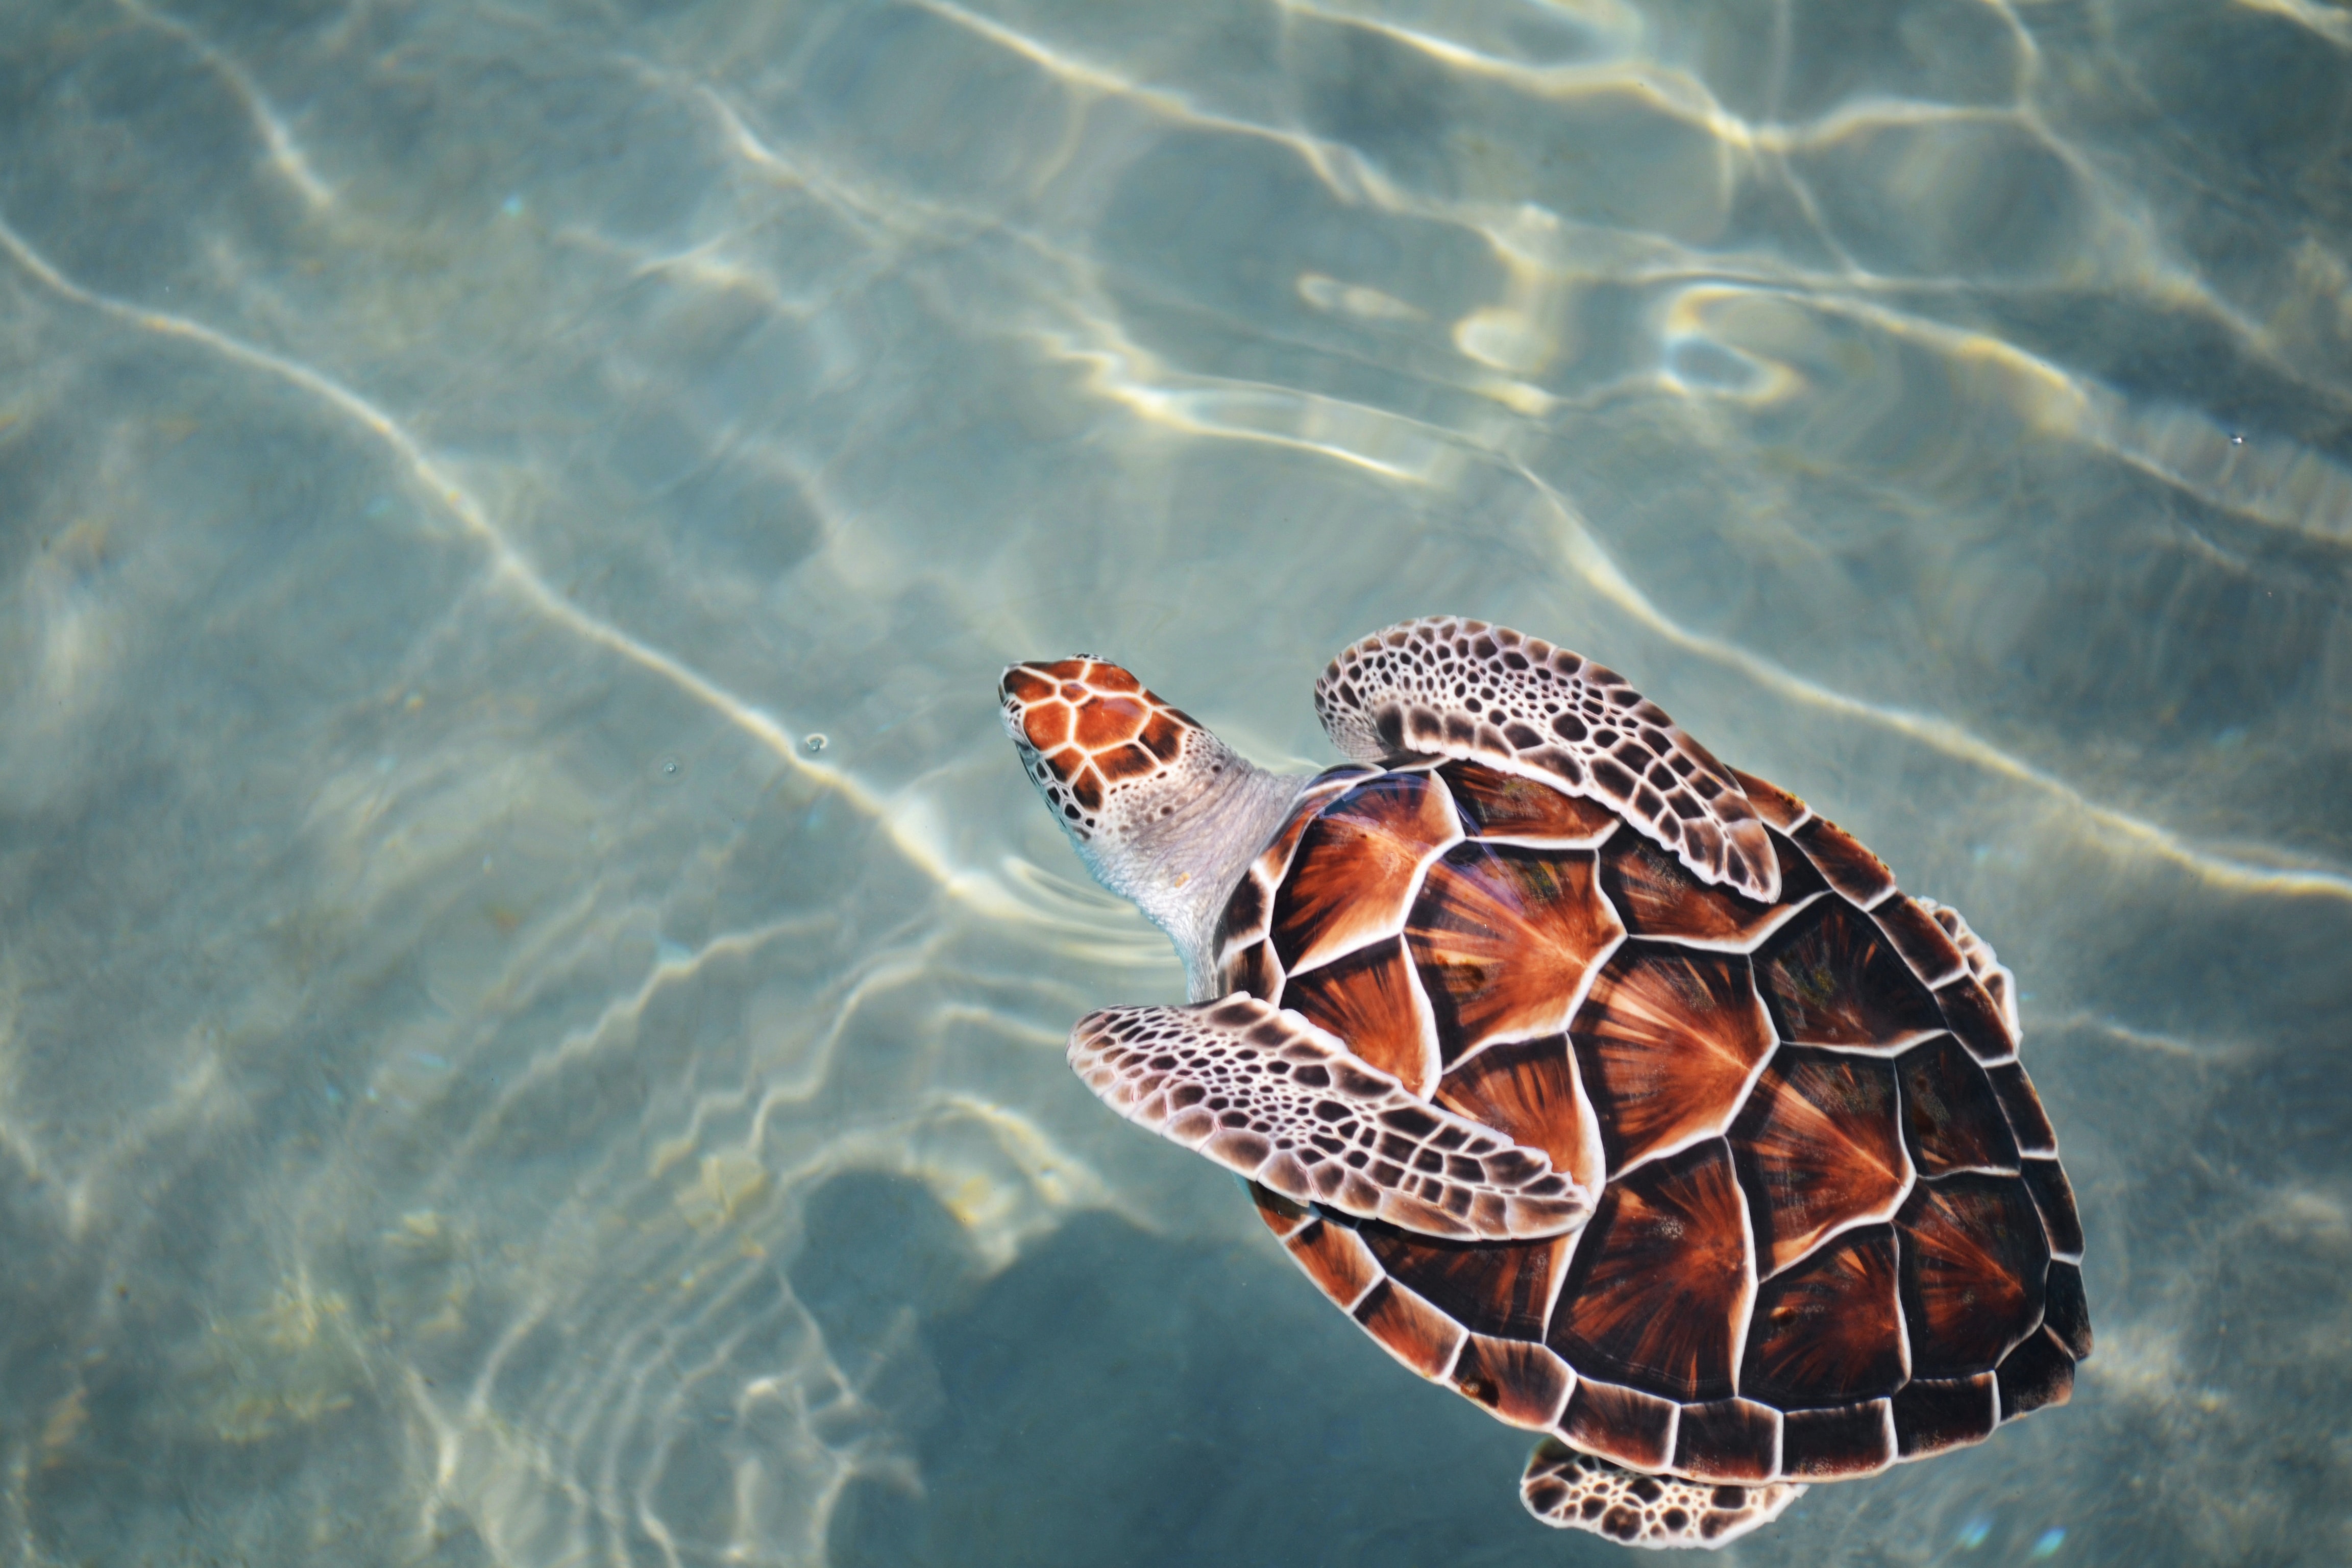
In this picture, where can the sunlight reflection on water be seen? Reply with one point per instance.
(532, 990)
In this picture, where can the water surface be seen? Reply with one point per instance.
(532, 989)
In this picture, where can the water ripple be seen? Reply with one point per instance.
(476, 1084)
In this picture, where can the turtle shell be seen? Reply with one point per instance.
(1832, 1232)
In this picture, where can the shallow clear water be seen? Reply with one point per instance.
(479, 1082)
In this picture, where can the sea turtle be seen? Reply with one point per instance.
(1606, 1084)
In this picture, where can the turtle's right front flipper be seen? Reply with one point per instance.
(1263, 1093)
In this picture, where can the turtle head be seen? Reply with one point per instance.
(1161, 810)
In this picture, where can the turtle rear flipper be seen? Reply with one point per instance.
(1267, 1094)
(1576, 1490)
(1445, 687)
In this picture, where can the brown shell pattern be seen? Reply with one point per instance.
(1834, 1232)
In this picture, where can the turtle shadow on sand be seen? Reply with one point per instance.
(1118, 1397)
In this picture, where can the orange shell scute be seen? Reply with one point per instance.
(1367, 999)
(1731, 1440)
(1666, 1041)
(1659, 1284)
(1356, 865)
(1828, 1331)
(1833, 978)
(1504, 937)
(1415, 1332)
(1528, 1090)
(1821, 1146)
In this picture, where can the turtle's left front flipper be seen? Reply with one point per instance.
(1445, 687)
(1263, 1093)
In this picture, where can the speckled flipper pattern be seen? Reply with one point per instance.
(1581, 1491)
(1267, 1094)
(1442, 686)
